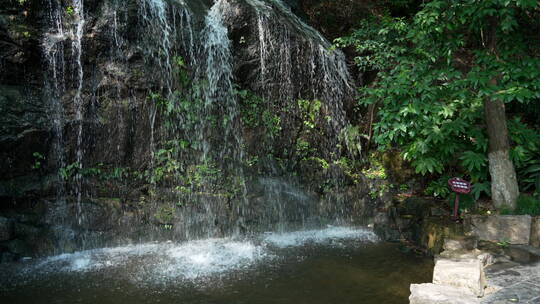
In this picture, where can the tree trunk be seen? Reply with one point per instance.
(504, 186)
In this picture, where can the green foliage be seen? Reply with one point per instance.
(434, 73)
(467, 203)
(504, 243)
(166, 165)
(379, 190)
(38, 160)
(404, 188)
(309, 111)
(376, 169)
(199, 175)
(99, 171)
(526, 204)
(70, 10)
(70, 170)
(479, 188)
(255, 113)
(526, 155)
(438, 188)
(352, 136)
(182, 70)
(165, 215)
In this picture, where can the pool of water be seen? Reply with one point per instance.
(332, 265)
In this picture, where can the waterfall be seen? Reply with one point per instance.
(220, 141)
(203, 192)
(216, 74)
(160, 44)
(158, 54)
(53, 51)
(187, 36)
(76, 45)
(326, 72)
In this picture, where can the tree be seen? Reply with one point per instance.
(444, 76)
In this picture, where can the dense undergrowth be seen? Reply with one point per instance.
(433, 73)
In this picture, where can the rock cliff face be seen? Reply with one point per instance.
(143, 119)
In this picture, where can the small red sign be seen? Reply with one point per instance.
(459, 185)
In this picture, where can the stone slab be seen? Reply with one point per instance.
(535, 232)
(513, 229)
(523, 292)
(460, 243)
(465, 274)
(429, 293)
(485, 258)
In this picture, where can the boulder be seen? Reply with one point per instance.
(6, 229)
(535, 232)
(513, 229)
(429, 293)
(467, 275)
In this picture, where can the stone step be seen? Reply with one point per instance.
(429, 293)
(467, 274)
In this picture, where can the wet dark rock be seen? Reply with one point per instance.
(7, 257)
(19, 247)
(116, 128)
(26, 231)
(6, 229)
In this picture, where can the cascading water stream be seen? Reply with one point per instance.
(219, 98)
(217, 72)
(326, 71)
(158, 49)
(55, 87)
(160, 45)
(76, 45)
(187, 36)
(216, 141)
(53, 50)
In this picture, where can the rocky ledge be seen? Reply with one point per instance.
(479, 271)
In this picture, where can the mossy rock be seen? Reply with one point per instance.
(415, 207)
(398, 169)
(434, 231)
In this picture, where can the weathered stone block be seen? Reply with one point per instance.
(514, 229)
(6, 229)
(439, 294)
(460, 243)
(434, 231)
(485, 258)
(535, 232)
(465, 274)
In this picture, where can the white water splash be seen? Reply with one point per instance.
(204, 258)
(329, 235)
(194, 260)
